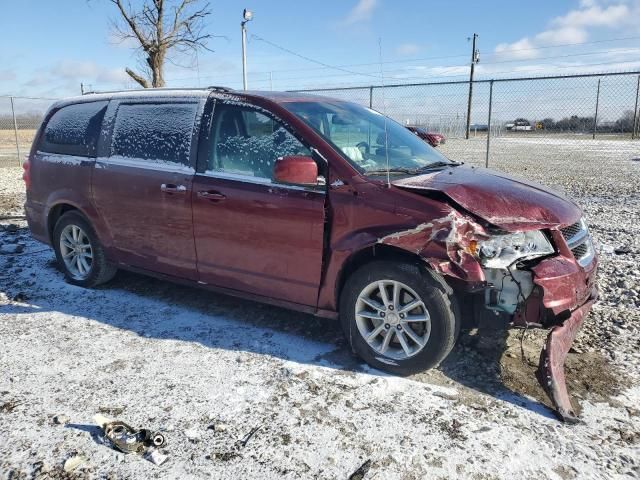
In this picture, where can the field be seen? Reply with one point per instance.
(8, 151)
(208, 369)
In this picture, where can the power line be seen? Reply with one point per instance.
(326, 65)
(484, 77)
(345, 67)
(334, 75)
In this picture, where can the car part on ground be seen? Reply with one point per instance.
(128, 439)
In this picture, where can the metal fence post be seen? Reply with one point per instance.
(15, 130)
(371, 96)
(595, 117)
(486, 160)
(634, 125)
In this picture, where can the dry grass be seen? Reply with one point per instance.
(8, 137)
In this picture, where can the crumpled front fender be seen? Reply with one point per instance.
(446, 244)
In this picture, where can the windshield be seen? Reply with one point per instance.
(363, 137)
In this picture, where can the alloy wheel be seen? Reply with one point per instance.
(392, 319)
(76, 251)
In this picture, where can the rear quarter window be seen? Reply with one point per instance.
(74, 129)
(156, 132)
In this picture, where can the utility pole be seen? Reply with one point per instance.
(247, 16)
(475, 58)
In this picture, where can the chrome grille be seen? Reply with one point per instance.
(580, 251)
(579, 242)
(571, 230)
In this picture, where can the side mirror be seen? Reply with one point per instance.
(296, 169)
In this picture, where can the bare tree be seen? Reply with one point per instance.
(161, 27)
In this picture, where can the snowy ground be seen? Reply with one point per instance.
(207, 369)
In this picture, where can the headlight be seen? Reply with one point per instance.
(503, 250)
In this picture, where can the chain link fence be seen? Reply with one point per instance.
(19, 120)
(527, 120)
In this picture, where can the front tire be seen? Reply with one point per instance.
(79, 253)
(398, 317)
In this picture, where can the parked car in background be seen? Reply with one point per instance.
(432, 138)
(520, 125)
(314, 204)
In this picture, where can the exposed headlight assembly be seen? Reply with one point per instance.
(501, 251)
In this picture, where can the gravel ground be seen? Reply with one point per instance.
(208, 369)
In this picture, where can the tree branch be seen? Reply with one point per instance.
(141, 80)
(131, 23)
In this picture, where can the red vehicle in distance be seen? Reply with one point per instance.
(432, 138)
(313, 204)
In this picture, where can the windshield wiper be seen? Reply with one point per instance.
(439, 164)
(411, 171)
(392, 171)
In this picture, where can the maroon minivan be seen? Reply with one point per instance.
(313, 204)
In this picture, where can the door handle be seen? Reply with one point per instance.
(172, 188)
(211, 195)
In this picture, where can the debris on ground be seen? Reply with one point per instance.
(193, 435)
(111, 410)
(20, 297)
(61, 420)
(243, 442)
(361, 471)
(131, 440)
(74, 462)
(10, 406)
(156, 457)
(9, 248)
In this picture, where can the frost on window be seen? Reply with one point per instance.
(160, 132)
(247, 142)
(74, 129)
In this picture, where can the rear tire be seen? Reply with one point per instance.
(79, 253)
(405, 302)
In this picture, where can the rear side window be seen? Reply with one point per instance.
(74, 129)
(159, 132)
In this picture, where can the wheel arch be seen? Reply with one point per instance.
(54, 214)
(380, 251)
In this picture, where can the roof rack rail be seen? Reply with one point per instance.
(214, 87)
(218, 88)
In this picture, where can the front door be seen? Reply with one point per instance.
(142, 184)
(253, 234)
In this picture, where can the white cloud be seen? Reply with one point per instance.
(522, 49)
(594, 16)
(361, 12)
(87, 71)
(573, 27)
(408, 49)
(561, 36)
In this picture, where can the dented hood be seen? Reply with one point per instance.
(507, 202)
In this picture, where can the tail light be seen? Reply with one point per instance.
(26, 176)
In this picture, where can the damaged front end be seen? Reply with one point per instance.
(530, 279)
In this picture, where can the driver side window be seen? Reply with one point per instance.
(247, 142)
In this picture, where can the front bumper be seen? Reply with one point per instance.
(561, 297)
(568, 292)
(550, 371)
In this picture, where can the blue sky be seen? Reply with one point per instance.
(50, 47)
